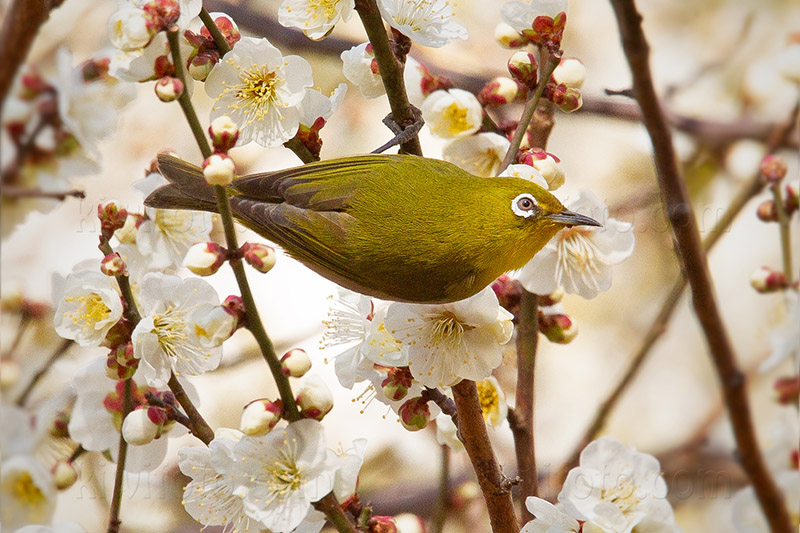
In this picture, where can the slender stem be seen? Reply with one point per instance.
(333, 510)
(212, 28)
(545, 72)
(439, 517)
(116, 498)
(495, 486)
(199, 426)
(684, 225)
(391, 70)
(300, 150)
(59, 351)
(11, 192)
(124, 283)
(785, 231)
(522, 421)
(24, 322)
(254, 323)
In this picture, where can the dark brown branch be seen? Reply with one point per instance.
(494, 485)
(199, 426)
(690, 249)
(20, 27)
(14, 192)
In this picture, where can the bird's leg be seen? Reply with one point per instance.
(402, 134)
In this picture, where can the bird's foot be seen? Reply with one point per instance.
(401, 134)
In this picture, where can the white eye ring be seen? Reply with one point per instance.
(524, 205)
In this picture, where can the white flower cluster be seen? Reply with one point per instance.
(242, 483)
(614, 490)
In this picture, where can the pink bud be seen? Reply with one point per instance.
(499, 91)
(773, 168)
(571, 71)
(787, 390)
(567, 98)
(295, 363)
(59, 426)
(224, 133)
(111, 218)
(558, 328)
(259, 417)
(219, 169)
(415, 414)
(547, 31)
(201, 65)
(113, 265)
(509, 292)
(234, 306)
(169, 89)
(523, 67)
(259, 256)
(381, 524)
(767, 211)
(766, 280)
(396, 384)
(548, 300)
(792, 200)
(314, 398)
(205, 258)
(508, 37)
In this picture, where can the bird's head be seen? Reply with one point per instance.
(537, 209)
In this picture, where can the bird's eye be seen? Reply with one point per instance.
(523, 205)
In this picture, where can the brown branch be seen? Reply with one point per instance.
(20, 27)
(391, 71)
(493, 484)
(199, 426)
(13, 192)
(333, 510)
(690, 249)
(56, 355)
(443, 503)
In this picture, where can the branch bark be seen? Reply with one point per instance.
(494, 485)
(681, 216)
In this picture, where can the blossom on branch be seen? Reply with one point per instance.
(426, 22)
(315, 17)
(479, 154)
(89, 305)
(452, 114)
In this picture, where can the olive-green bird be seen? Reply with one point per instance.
(397, 227)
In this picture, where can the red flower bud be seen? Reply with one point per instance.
(415, 414)
(773, 169)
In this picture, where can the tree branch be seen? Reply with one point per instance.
(493, 484)
(684, 225)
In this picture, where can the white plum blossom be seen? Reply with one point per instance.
(215, 496)
(315, 17)
(348, 323)
(260, 90)
(87, 308)
(617, 489)
(784, 337)
(90, 108)
(140, 65)
(130, 28)
(580, 258)
(520, 14)
(27, 491)
(493, 401)
(166, 235)
(480, 154)
(447, 432)
(426, 22)
(452, 114)
(167, 339)
(357, 67)
(450, 342)
(748, 517)
(316, 105)
(285, 471)
(525, 172)
(548, 518)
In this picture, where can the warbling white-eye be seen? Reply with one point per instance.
(397, 227)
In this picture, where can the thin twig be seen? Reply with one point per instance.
(56, 355)
(24, 322)
(13, 192)
(690, 249)
(254, 323)
(116, 497)
(212, 28)
(785, 233)
(391, 71)
(198, 425)
(440, 515)
(494, 485)
(333, 510)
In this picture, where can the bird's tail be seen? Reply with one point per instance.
(187, 189)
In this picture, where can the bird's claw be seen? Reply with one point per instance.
(401, 134)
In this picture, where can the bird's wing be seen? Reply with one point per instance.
(321, 186)
(314, 237)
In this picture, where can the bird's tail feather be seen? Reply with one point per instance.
(187, 189)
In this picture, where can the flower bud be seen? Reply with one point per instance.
(314, 398)
(548, 300)
(131, 28)
(509, 292)
(260, 416)
(548, 165)
(259, 256)
(499, 91)
(508, 37)
(396, 384)
(200, 66)
(381, 524)
(767, 211)
(215, 326)
(547, 30)
(117, 368)
(773, 169)
(138, 429)
(59, 425)
(792, 200)
(523, 67)
(113, 265)
(219, 169)
(295, 363)
(558, 328)
(415, 414)
(234, 306)
(111, 218)
(567, 98)
(766, 280)
(205, 258)
(64, 475)
(571, 71)
(787, 390)
(224, 133)
(169, 89)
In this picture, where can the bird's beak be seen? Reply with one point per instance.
(570, 218)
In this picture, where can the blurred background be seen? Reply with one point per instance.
(714, 63)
